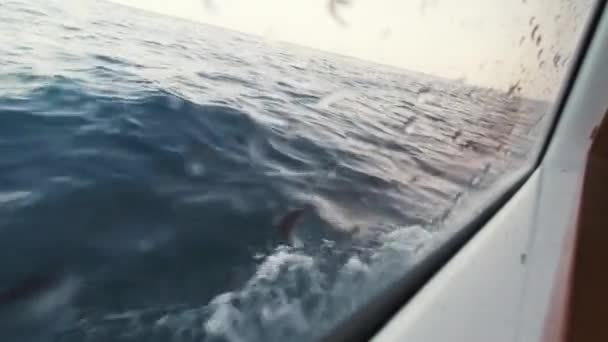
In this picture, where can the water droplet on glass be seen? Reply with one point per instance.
(513, 88)
(533, 33)
(333, 8)
(556, 59)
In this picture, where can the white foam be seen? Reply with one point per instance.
(269, 291)
(223, 318)
(12, 196)
(291, 296)
(354, 264)
(271, 267)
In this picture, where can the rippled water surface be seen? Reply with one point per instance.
(145, 162)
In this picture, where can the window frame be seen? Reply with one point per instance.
(371, 317)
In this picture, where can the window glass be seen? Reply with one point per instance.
(252, 170)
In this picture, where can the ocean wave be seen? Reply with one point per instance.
(291, 295)
(152, 158)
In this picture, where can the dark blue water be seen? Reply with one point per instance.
(145, 161)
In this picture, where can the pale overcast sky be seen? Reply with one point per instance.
(478, 40)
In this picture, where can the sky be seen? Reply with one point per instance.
(485, 42)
